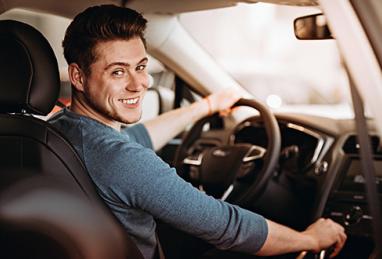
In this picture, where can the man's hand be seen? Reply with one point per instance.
(222, 101)
(326, 233)
(322, 234)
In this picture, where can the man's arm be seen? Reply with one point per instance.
(322, 234)
(166, 126)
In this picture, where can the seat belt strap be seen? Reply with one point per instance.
(368, 169)
(159, 251)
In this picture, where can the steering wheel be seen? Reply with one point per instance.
(238, 172)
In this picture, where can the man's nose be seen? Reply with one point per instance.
(136, 83)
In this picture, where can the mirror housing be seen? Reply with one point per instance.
(312, 27)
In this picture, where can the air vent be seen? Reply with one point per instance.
(351, 145)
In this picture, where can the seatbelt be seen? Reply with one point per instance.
(159, 251)
(60, 104)
(368, 169)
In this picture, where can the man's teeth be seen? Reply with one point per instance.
(130, 101)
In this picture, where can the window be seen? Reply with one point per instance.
(257, 46)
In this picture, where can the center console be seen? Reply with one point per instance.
(347, 204)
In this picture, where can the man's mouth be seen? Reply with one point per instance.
(129, 100)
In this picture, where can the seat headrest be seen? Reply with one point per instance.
(29, 77)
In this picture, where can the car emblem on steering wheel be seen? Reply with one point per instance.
(219, 152)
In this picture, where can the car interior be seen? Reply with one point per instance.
(291, 166)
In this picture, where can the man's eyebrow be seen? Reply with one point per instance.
(124, 64)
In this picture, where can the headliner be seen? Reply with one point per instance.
(69, 8)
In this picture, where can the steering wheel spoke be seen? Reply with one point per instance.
(254, 153)
(193, 160)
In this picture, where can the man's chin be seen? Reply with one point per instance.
(130, 120)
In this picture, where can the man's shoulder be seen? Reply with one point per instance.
(100, 146)
(72, 123)
(85, 134)
(63, 119)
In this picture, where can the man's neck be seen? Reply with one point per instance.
(80, 107)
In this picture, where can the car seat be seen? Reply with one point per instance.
(44, 217)
(29, 85)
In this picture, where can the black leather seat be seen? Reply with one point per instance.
(44, 217)
(29, 84)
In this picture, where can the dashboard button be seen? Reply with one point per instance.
(353, 216)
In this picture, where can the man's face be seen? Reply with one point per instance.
(117, 82)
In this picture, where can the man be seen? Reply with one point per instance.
(105, 49)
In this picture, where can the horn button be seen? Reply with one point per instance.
(215, 169)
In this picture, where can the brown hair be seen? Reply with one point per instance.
(97, 24)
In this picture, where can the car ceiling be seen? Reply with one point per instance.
(69, 8)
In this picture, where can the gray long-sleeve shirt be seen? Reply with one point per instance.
(138, 187)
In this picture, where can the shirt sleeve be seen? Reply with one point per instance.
(138, 133)
(156, 188)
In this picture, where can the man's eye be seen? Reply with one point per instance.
(118, 72)
(140, 68)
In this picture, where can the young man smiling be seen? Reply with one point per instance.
(105, 49)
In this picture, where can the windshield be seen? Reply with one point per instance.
(255, 43)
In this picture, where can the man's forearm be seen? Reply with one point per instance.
(282, 240)
(166, 126)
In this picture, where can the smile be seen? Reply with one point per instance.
(129, 101)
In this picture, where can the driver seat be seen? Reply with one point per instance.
(29, 85)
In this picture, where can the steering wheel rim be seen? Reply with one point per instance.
(253, 191)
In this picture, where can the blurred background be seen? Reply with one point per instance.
(258, 48)
(255, 44)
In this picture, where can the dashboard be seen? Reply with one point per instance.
(300, 147)
(318, 174)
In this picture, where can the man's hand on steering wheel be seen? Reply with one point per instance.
(222, 101)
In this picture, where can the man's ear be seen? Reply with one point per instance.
(76, 77)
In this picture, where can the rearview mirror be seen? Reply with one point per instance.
(312, 27)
